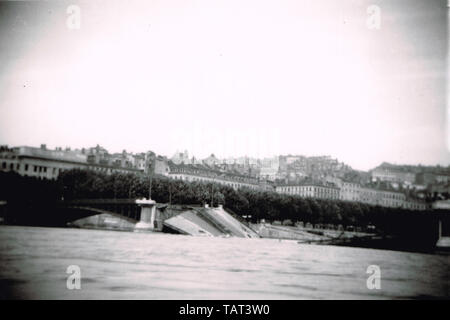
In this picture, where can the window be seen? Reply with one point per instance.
(26, 167)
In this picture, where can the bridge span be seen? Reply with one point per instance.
(145, 215)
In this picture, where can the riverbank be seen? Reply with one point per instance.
(345, 238)
(304, 234)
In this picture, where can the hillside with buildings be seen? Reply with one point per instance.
(320, 177)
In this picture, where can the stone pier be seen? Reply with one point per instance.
(442, 209)
(443, 242)
(148, 214)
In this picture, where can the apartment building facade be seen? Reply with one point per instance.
(203, 173)
(48, 164)
(310, 190)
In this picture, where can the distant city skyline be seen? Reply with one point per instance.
(257, 79)
(201, 158)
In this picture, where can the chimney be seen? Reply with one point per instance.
(43, 146)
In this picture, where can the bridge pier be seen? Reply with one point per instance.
(443, 242)
(148, 213)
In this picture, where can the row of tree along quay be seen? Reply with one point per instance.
(31, 201)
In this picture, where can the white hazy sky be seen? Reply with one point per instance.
(232, 78)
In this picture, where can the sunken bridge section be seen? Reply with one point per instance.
(149, 216)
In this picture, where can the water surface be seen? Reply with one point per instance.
(125, 265)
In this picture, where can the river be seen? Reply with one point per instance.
(124, 265)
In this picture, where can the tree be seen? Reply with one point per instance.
(219, 198)
(78, 184)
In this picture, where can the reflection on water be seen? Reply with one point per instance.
(123, 265)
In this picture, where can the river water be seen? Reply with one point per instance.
(125, 265)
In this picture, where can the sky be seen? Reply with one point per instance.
(259, 78)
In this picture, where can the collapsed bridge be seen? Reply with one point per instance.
(149, 216)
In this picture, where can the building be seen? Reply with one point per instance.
(162, 166)
(212, 160)
(269, 173)
(442, 178)
(181, 158)
(413, 204)
(310, 190)
(48, 164)
(273, 162)
(140, 161)
(352, 191)
(428, 178)
(203, 173)
(384, 198)
(392, 173)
